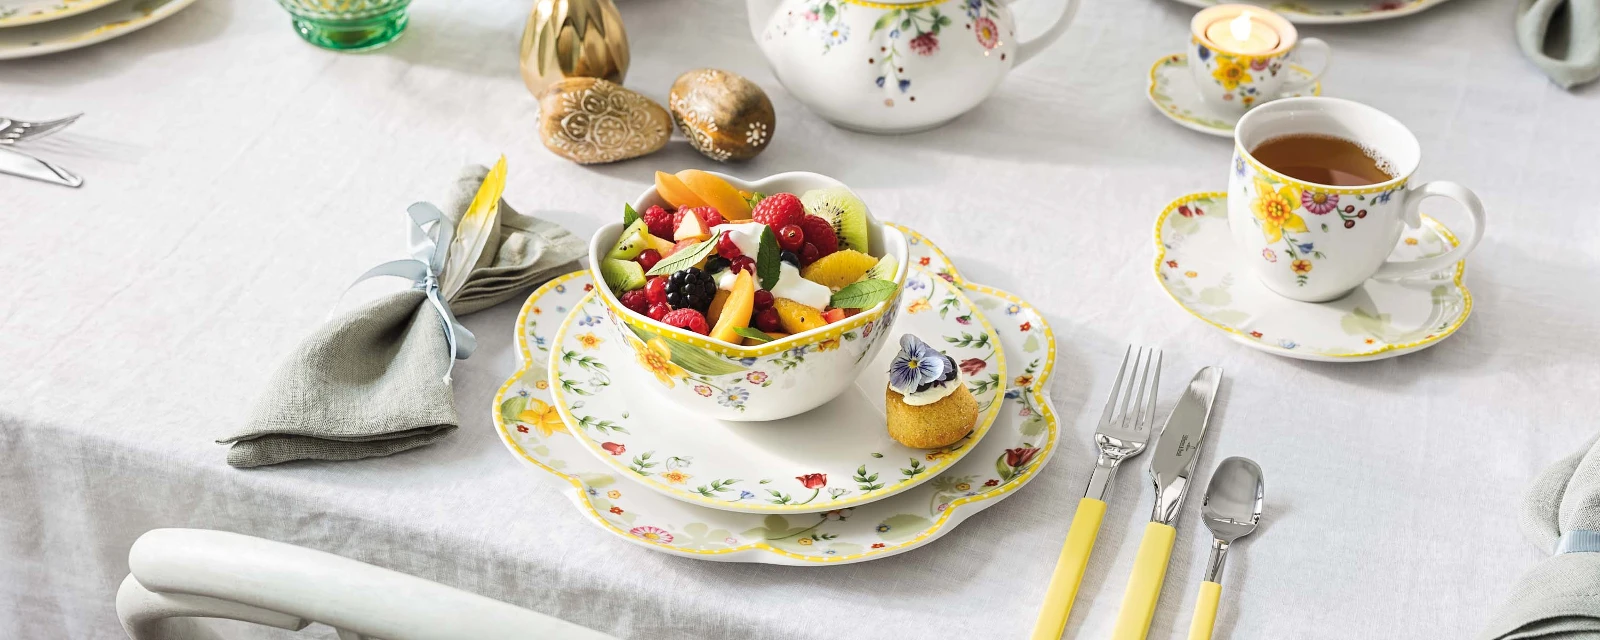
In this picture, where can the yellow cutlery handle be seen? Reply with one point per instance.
(1069, 570)
(1144, 586)
(1205, 611)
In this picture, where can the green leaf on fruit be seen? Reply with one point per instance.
(753, 334)
(768, 261)
(628, 215)
(755, 198)
(863, 295)
(688, 257)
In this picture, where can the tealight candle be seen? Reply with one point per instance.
(1243, 34)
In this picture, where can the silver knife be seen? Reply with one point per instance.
(21, 164)
(1171, 463)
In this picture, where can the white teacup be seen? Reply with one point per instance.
(1232, 81)
(1316, 242)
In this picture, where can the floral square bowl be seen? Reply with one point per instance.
(800, 372)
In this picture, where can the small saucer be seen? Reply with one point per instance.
(837, 455)
(1198, 266)
(1172, 91)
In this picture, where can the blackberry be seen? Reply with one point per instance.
(691, 289)
(716, 263)
(791, 258)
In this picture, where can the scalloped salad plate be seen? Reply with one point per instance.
(1018, 444)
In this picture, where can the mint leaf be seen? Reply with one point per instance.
(768, 261)
(753, 334)
(685, 258)
(628, 215)
(864, 294)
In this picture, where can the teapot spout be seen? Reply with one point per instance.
(760, 13)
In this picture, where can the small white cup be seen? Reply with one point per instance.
(1234, 82)
(1315, 242)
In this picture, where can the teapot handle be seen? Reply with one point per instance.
(1027, 50)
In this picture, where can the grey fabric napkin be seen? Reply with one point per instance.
(373, 381)
(1568, 29)
(1560, 598)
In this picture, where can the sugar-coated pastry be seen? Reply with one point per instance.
(927, 404)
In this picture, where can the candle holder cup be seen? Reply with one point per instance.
(1236, 66)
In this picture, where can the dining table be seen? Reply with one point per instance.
(237, 180)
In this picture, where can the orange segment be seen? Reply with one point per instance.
(715, 192)
(797, 317)
(675, 192)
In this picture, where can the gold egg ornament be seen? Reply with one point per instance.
(573, 39)
(725, 116)
(591, 121)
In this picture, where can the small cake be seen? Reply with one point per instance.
(927, 404)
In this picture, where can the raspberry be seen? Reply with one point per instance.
(763, 298)
(727, 249)
(779, 210)
(808, 254)
(742, 263)
(659, 310)
(767, 320)
(655, 290)
(637, 302)
(660, 221)
(710, 216)
(820, 233)
(791, 237)
(648, 258)
(688, 319)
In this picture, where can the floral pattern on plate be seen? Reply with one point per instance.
(73, 31)
(1018, 445)
(834, 456)
(1172, 91)
(1200, 268)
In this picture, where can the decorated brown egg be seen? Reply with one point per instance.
(725, 116)
(590, 121)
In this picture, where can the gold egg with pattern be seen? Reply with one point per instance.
(725, 116)
(592, 121)
(573, 39)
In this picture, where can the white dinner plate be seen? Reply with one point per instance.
(81, 30)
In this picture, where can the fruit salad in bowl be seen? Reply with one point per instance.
(784, 285)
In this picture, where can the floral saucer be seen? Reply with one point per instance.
(1336, 11)
(1197, 264)
(1018, 444)
(68, 29)
(836, 455)
(1173, 93)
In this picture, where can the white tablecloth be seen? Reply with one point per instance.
(238, 179)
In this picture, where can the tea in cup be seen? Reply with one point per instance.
(1318, 197)
(1240, 54)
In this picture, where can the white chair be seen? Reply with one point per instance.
(176, 574)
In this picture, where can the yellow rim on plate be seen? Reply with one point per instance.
(1174, 59)
(953, 454)
(1461, 268)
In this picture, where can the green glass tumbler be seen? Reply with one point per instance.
(348, 25)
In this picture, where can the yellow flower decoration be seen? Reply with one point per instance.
(675, 477)
(1301, 267)
(828, 345)
(919, 306)
(613, 494)
(656, 358)
(543, 417)
(589, 341)
(1275, 210)
(1022, 381)
(1230, 72)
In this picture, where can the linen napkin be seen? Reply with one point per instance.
(375, 381)
(1569, 28)
(1560, 598)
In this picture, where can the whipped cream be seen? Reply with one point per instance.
(745, 235)
(934, 393)
(790, 284)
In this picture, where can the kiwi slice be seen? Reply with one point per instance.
(844, 211)
(632, 243)
(622, 275)
(884, 270)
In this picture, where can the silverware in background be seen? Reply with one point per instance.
(14, 131)
(21, 164)
(1231, 511)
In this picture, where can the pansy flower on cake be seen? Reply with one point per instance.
(927, 403)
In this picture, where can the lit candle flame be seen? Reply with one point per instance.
(1240, 27)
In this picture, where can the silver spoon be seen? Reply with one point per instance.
(1231, 510)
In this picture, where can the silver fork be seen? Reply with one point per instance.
(14, 131)
(1123, 433)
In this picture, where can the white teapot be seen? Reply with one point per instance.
(893, 66)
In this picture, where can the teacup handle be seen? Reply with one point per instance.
(1414, 197)
(1310, 44)
(1027, 50)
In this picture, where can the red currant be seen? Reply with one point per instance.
(636, 301)
(809, 254)
(767, 320)
(648, 258)
(656, 291)
(727, 249)
(763, 299)
(742, 263)
(659, 310)
(791, 237)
